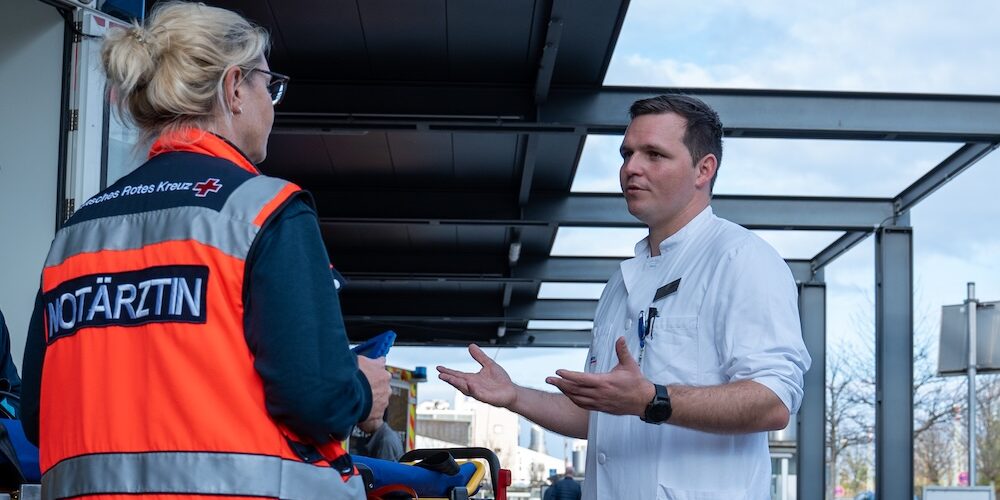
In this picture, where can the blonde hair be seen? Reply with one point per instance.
(168, 74)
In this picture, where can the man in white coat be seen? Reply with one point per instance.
(697, 350)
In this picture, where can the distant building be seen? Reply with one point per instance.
(580, 456)
(537, 442)
(784, 459)
(471, 423)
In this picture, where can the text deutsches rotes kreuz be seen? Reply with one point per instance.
(140, 189)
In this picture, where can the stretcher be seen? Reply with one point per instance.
(434, 473)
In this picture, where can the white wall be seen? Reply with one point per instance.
(31, 37)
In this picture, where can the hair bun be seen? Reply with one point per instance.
(168, 71)
(138, 33)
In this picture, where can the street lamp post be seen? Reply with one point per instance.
(971, 306)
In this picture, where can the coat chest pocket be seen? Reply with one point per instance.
(671, 354)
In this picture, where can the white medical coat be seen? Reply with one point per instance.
(734, 317)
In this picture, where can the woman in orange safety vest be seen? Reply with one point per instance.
(187, 337)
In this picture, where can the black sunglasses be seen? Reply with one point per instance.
(276, 86)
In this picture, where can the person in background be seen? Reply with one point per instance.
(697, 349)
(550, 489)
(187, 337)
(374, 438)
(566, 488)
(10, 382)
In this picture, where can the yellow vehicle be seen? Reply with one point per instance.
(402, 410)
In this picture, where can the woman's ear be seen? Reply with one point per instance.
(231, 89)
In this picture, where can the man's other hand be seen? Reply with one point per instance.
(490, 385)
(378, 378)
(622, 391)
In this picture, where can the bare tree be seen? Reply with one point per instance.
(845, 427)
(933, 451)
(856, 469)
(988, 430)
(851, 405)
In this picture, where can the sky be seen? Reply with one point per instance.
(885, 46)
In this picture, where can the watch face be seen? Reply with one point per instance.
(658, 411)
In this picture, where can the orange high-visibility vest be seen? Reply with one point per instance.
(148, 385)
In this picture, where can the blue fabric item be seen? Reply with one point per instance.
(377, 346)
(426, 483)
(9, 379)
(27, 453)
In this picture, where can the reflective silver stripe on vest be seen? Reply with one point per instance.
(204, 225)
(196, 473)
(132, 231)
(252, 196)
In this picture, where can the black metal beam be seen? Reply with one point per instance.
(567, 269)
(838, 248)
(528, 169)
(547, 338)
(551, 309)
(799, 114)
(534, 270)
(955, 164)
(317, 107)
(547, 63)
(362, 265)
(445, 333)
(811, 417)
(598, 210)
(803, 271)
(755, 212)
(399, 203)
(894, 362)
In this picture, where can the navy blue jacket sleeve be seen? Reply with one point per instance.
(296, 332)
(31, 366)
(9, 379)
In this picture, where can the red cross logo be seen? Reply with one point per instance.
(208, 186)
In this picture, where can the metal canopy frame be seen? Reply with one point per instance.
(838, 115)
(746, 113)
(441, 141)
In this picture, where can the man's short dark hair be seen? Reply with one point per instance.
(703, 134)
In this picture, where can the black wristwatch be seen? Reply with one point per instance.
(658, 410)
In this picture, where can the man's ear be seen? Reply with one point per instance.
(707, 166)
(231, 89)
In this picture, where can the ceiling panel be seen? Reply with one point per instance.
(297, 157)
(488, 41)
(588, 37)
(406, 40)
(325, 39)
(422, 159)
(258, 11)
(360, 159)
(556, 163)
(352, 236)
(477, 239)
(432, 237)
(486, 160)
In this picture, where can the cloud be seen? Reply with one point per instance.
(897, 45)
